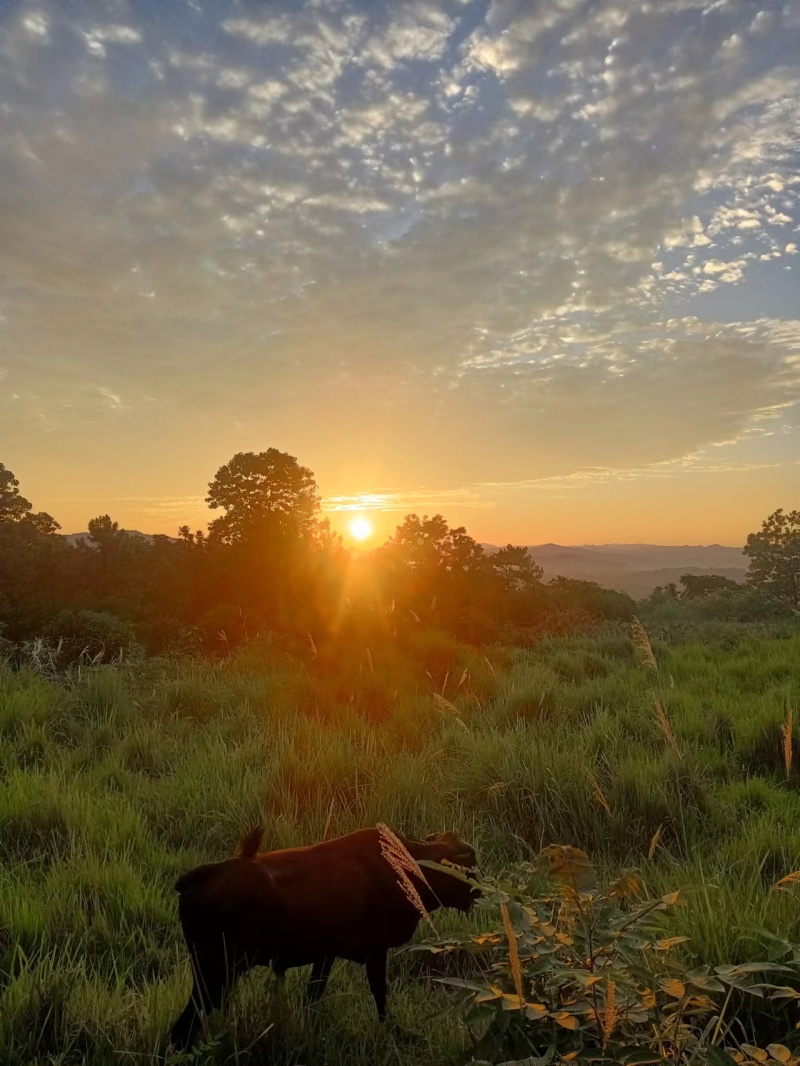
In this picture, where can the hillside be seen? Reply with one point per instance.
(637, 568)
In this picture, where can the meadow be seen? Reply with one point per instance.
(115, 779)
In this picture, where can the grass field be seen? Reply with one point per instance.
(117, 779)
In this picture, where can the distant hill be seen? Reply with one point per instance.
(637, 568)
(76, 538)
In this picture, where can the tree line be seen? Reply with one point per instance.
(269, 563)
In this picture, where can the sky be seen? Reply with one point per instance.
(531, 265)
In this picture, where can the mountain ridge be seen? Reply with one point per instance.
(636, 568)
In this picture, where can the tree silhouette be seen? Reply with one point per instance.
(515, 568)
(774, 555)
(262, 493)
(103, 531)
(15, 508)
(699, 586)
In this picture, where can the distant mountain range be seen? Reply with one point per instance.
(633, 568)
(637, 568)
(76, 538)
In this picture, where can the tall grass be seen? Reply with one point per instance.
(115, 780)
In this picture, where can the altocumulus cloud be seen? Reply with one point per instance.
(505, 240)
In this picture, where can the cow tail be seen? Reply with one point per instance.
(251, 842)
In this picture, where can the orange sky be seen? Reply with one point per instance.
(700, 507)
(530, 266)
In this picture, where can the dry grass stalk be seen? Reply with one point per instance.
(513, 954)
(654, 842)
(611, 1012)
(405, 866)
(787, 730)
(328, 819)
(641, 643)
(663, 721)
(444, 704)
(464, 679)
(369, 661)
(598, 792)
(313, 646)
(491, 668)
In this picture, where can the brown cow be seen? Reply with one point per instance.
(301, 906)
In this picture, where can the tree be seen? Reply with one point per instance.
(15, 508)
(700, 586)
(515, 568)
(103, 531)
(774, 555)
(33, 570)
(438, 573)
(664, 593)
(430, 545)
(265, 493)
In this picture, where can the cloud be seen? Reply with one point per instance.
(447, 234)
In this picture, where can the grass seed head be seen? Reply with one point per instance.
(641, 643)
(405, 867)
(513, 953)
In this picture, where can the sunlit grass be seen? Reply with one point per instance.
(114, 781)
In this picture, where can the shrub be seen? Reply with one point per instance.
(588, 974)
(94, 636)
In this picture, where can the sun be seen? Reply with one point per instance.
(360, 527)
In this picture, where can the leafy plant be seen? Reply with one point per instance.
(588, 974)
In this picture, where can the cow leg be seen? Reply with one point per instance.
(212, 980)
(376, 976)
(207, 995)
(320, 973)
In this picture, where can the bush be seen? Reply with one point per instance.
(589, 974)
(95, 636)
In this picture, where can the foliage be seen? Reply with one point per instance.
(515, 569)
(598, 601)
(95, 636)
(774, 554)
(15, 508)
(269, 564)
(265, 494)
(697, 586)
(589, 974)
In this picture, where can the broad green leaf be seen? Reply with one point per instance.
(784, 992)
(638, 1056)
(706, 984)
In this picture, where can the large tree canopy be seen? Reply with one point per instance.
(774, 555)
(15, 508)
(263, 493)
(429, 545)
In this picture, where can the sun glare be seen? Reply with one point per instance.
(360, 528)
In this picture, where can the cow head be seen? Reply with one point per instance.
(446, 890)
